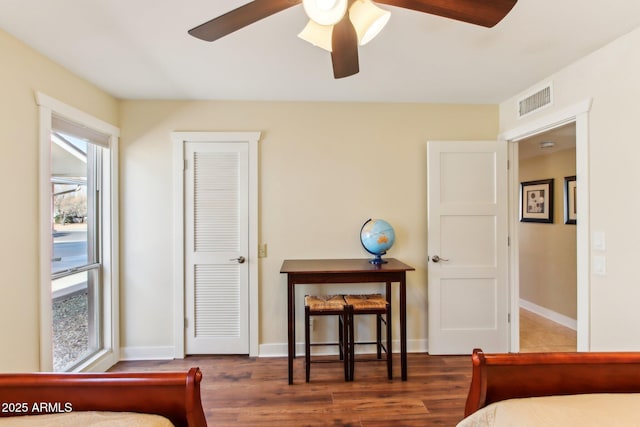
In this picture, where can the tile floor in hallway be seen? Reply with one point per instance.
(538, 334)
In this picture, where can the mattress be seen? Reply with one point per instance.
(583, 410)
(87, 419)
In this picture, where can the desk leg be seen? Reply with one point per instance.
(291, 316)
(389, 340)
(403, 327)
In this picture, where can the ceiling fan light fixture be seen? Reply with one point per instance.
(368, 20)
(325, 12)
(317, 35)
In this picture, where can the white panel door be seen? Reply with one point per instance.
(467, 246)
(216, 248)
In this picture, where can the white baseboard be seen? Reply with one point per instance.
(280, 350)
(550, 314)
(147, 353)
(265, 350)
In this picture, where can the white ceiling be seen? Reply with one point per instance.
(563, 138)
(140, 49)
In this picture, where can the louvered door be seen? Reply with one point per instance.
(216, 247)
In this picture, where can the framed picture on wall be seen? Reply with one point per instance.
(536, 201)
(570, 212)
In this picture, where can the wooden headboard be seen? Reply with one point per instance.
(499, 377)
(174, 395)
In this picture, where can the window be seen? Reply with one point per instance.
(75, 265)
(79, 240)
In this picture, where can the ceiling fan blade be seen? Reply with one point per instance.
(486, 13)
(240, 18)
(344, 54)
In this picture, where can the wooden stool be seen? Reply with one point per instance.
(370, 304)
(326, 305)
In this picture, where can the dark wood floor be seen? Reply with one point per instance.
(243, 391)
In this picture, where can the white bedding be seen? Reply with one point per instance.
(585, 410)
(87, 419)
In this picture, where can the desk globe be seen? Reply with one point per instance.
(377, 237)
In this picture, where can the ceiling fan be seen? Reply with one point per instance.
(339, 26)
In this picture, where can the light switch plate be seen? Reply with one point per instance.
(262, 250)
(599, 265)
(599, 241)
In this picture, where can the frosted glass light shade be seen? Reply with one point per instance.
(325, 12)
(368, 19)
(317, 35)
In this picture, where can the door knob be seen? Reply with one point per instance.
(436, 258)
(239, 260)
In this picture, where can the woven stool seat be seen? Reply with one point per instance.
(366, 302)
(318, 303)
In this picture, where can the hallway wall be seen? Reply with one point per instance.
(548, 275)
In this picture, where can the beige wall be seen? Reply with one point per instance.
(611, 77)
(23, 72)
(320, 163)
(548, 251)
(324, 169)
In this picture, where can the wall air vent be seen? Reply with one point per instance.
(535, 101)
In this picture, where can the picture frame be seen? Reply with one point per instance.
(536, 201)
(570, 210)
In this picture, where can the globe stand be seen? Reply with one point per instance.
(378, 260)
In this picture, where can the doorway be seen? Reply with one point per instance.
(548, 267)
(578, 114)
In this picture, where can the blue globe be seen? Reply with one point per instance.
(377, 237)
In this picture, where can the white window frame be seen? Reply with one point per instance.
(109, 355)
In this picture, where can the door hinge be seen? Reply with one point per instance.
(185, 166)
(186, 323)
(508, 317)
(509, 241)
(508, 164)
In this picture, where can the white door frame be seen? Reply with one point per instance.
(578, 113)
(179, 139)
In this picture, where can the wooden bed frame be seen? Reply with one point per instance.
(174, 395)
(499, 377)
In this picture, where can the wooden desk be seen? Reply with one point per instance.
(336, 271)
